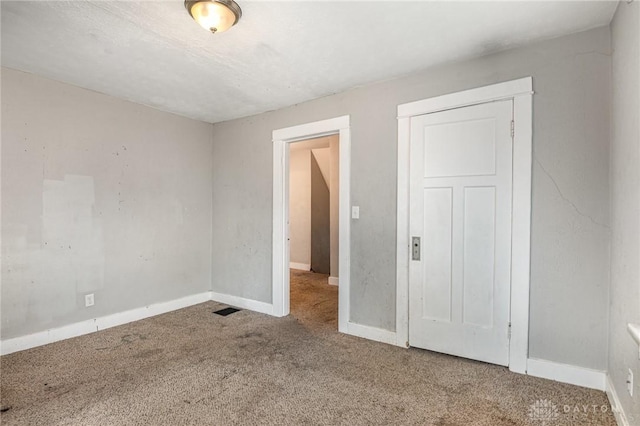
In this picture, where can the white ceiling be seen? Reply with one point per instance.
(279, 54)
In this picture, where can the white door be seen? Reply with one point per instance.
(460, 201)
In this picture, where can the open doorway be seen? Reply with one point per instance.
(314, 230)
(282, 140)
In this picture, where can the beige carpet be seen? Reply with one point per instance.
(194, 367)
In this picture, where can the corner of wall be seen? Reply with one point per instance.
(624, 207)
(616, 406)
(212, 141)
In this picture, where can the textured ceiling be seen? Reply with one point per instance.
(279, 54)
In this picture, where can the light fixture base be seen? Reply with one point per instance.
(201, 18)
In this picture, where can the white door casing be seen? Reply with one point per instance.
(280, 259)
(520, 92)
(460, 208)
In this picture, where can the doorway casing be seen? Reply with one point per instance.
(280, 270)
(520, 91)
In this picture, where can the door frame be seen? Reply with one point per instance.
(521, 92)
(280, 270)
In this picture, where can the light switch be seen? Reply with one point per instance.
(355, 212)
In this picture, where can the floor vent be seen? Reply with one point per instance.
(226, 311)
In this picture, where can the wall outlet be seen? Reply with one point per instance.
(88, 300)
(630, 382)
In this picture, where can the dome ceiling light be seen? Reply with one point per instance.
(214, 15)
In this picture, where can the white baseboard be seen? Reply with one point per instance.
(241, 302)
(371, 333)
(95, 324)
(300, 266)
(333, 280)
(564, 373)
(616, 406)
(101, 323)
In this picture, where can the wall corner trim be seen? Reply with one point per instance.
(333, 281)
(371, 333)
(564, 373)
(616, 406)
(92, 325)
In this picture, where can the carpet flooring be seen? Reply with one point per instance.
(192, 367)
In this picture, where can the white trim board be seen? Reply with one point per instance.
(616, 406)
(300, 266)
(280, 260)
(52, 335)
(480, 95)
(634, 330)
(520, 91)
(311, 130)
(565, 373)
(371, 333)
(333, 281)
(241, 302)
(101, 323)
(81, 328)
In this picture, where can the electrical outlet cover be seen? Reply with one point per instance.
(355, 212)
(89, 300)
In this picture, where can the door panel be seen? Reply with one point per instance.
(478, 255)
(463, 148)
(460, 207)
(437, 254)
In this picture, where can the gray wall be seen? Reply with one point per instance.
(569, 287)
(625, 205)
(320, 224)
(300, 195)
(99, 196)
(300, 206)
(334, 204)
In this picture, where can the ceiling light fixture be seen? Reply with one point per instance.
(214, 15)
